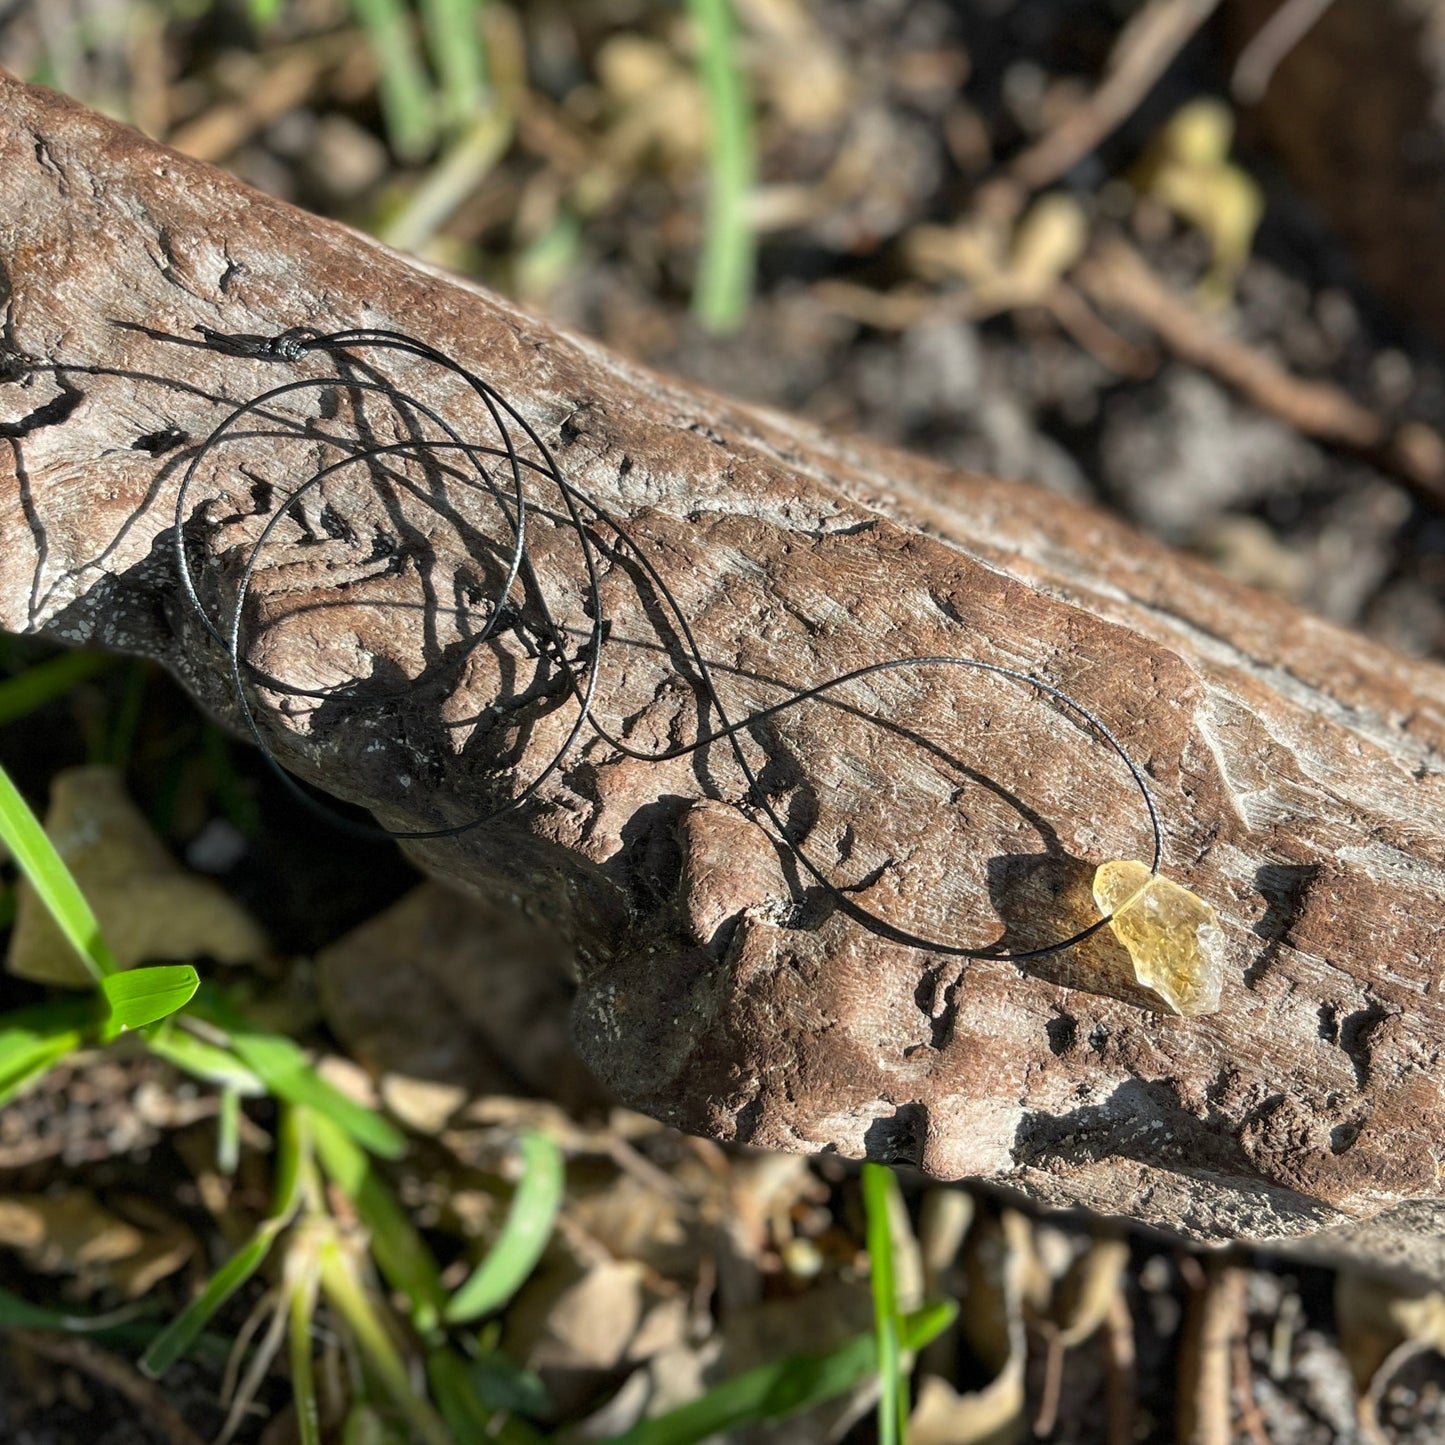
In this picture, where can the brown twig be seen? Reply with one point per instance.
(286, 82)
(1251, 1421)
(1270, 44)
(1212, 1321)
(1121, 1376)
(905, 307)
(1047, 1415)
(1118, 279)
(1368, 1407)
(1143, 51)
(148, 1398)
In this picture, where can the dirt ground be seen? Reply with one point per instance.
(885, 303)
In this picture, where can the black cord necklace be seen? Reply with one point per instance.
(475, 465)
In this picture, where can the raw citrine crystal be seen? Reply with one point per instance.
(1172, 935)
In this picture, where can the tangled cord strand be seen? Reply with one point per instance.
(582, 513)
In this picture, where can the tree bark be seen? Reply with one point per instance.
(1297, 767)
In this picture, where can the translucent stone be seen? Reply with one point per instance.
(1172, 935)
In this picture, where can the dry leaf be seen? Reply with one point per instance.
(148, 907)
(1082, 1299)
(73, 1233)
(1001, 1271)
(440, 993)
(1376, 1316)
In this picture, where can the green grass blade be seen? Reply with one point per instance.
(303, 1374)
(51, 879)
(457, 1401)
(263, 12)
(282, 1067)
(228, 1132)
(458, 54)
(879, 1191)
(769, 1392)
(468, 1416)
(359, 1310)
(786, 1387)
(925, 1324)
(45, 681)
(116, 748)
(20, 1314)
(726, 265)
(524, 1234)
(503, 1385)
(204, 1060)
(407, 100)
(401, 1253)
(293, 1141)
(17, 1073)
(142, 996)
(232, 795)
(34, 1040)
(180, 1334)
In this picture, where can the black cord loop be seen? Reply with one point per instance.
(473, 465)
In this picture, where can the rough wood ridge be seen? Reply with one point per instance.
(1298, 768)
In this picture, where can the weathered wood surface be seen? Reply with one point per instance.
(1298, 767)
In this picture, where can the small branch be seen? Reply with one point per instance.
(1118, 279)
(147, 1397)
(1143, 52)
(1274, 40)
(1121, 1377)
(1213, 1320)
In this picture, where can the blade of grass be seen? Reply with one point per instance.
(503, 1385)
(34, 1040)
(451, 180)
(44, 1055)
(303, 1375)
(350, 1300)
(204, 1060)
(467, 1415)
(404, 1259)
(51, 879)
(175, 1340)
(407, 101)
(178, 1336)
(524, 1235)
(769, 1392)
(118, 745)
(45, 681)
(142, 996)
(879, 1189)
(458, 54)
(228, 1132)
(282, 1067)
(785, 1387)
(227, 787)
(20, 1314)
(924, 1325)
(725, 267)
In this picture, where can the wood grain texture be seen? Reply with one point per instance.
(1297, 766)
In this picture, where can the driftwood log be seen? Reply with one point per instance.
(1298, 767)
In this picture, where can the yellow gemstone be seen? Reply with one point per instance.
(1172, 935)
